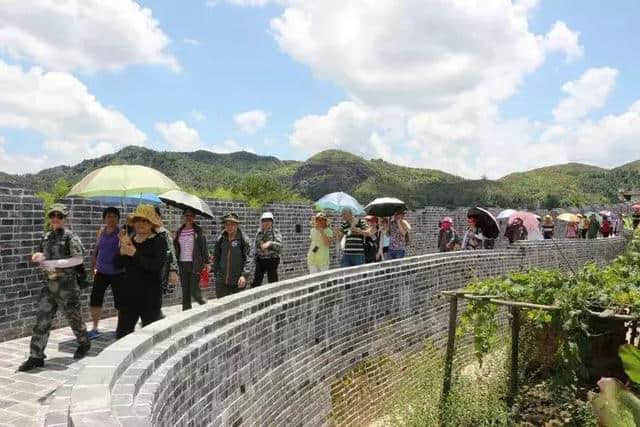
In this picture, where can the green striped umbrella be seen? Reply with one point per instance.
(122, 181)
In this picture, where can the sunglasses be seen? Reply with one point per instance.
(56, 215)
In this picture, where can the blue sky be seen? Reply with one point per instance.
(470, 89)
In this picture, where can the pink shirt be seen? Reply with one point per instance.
(186, 244)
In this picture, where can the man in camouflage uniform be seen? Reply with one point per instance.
(59, 254)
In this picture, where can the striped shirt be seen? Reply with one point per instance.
(186, 244)
(354, 243)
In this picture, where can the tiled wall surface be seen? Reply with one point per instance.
(269, 356)
(21, 225)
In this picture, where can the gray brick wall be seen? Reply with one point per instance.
(269, 356)
(21, 225)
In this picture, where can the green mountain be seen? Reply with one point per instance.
(243, 175)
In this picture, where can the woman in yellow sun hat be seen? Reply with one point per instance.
(142, 255)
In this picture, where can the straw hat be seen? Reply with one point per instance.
(148, 213)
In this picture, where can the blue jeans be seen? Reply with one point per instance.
(396, 253)
(350, 260)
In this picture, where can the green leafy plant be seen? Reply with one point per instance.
(617, 405)
(60, 189)
(558, 343)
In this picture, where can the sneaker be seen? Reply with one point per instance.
(31, 363)
(94, 333)
(82, 350)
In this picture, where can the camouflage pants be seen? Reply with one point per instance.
(64, 293)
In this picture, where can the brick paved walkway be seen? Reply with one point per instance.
(25, 398)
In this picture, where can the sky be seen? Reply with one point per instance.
(474, 88)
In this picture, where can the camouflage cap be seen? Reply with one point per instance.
(59, 208)
(231, 217)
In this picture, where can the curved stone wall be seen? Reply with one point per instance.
(268, 356)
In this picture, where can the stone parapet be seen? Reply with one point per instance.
(268, 356)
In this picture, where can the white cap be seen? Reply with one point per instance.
(266, 215)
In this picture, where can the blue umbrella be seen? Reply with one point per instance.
(338, 201)
(133, 200)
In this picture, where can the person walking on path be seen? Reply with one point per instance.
(547, 227)
(60, 254)
(572, 230)
(169, 273)
(583, 226)
(142, 255)
(231, 258)
(268, 244)
(399, 230)
(516, 231)
(372, 252)
(447, 237)
(321, 236)
(473, 236)
(386, 240)
(605, 228)
(193, 256)
(354, 230)
(105, 273)
(635, 218)
(594, 227)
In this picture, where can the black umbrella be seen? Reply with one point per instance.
(384, 206)
(486, 222)
(181, 200)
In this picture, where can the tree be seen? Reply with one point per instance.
(551, 201)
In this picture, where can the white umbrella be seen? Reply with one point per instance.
(182, 200)
(506, 213)
(384, 206)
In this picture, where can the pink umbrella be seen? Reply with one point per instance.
(531, 223)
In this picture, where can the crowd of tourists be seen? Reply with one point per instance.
(362, 240)
(141, 260)
(582, 227)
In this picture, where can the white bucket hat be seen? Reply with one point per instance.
(266, 215)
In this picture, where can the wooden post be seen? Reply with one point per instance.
(451, 346)
(634, 332)
(515, 334)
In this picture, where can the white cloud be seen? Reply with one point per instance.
(198, 116)
(59, 107)
(562, 39)
(422, 91)
(19, 163)
(87, 35)
(179, 136)
(192, 42)
(211, 3)
(414, 54)
(229, 146)
(346, 126)
(586, 94)
(251, 121)
(247, 3)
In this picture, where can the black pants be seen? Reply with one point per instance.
(583, 233)
(268, 265)
(100, 283)
(190, 284)
(223, 290)
(128, 317)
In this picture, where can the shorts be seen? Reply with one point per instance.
(100, 283)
